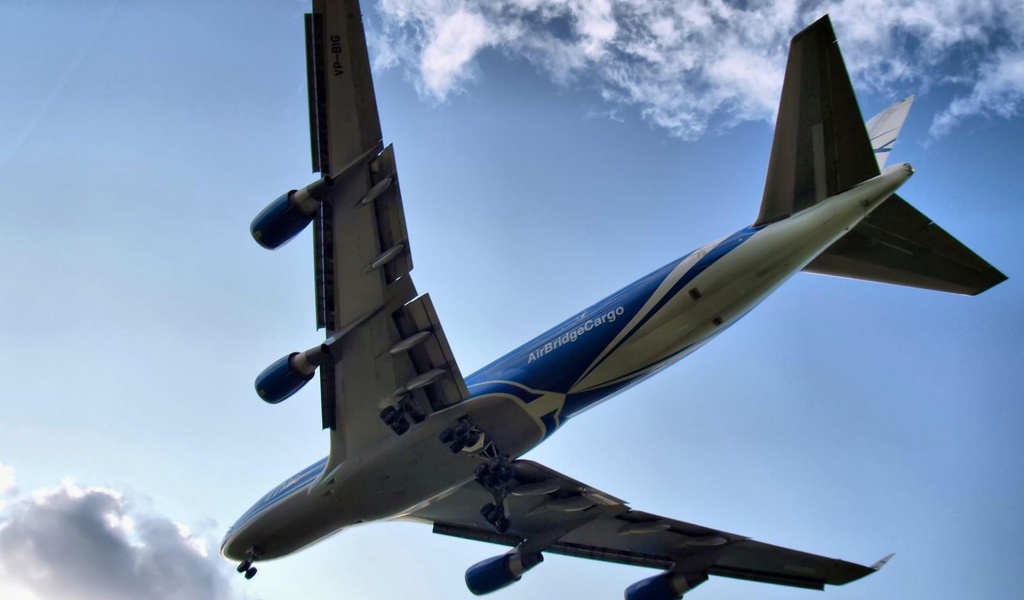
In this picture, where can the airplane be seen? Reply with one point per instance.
(412, 439)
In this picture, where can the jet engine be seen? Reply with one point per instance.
(285, 217)
(666, 586)
(288, 374)
(495, 573)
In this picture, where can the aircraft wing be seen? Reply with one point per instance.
(387, 348)
(550, 512)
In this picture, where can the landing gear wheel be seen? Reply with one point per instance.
(502, 525)
(448, 436)
(399, 426)
(389, 414)
(463, 429)
(246, 565)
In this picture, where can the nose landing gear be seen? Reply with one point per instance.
(245, 566)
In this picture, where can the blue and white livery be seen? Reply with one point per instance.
(411, 439)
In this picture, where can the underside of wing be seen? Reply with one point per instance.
(550, 512)
(385, 364)
(394, 367)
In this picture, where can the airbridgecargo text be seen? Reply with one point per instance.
(575, 334)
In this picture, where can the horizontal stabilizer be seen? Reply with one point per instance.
(884, 128)
(899, 245)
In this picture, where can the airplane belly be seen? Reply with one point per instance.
(727, 290)
(385, 482)
(289, 525)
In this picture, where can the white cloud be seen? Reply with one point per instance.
(688, 65)
(6, 478)
(457, 38)
(86, 543)
(7, 484)
(999, 92)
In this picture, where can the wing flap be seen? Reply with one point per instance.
(428, 354)
(899, 245)
(617, 556)
(391, 215)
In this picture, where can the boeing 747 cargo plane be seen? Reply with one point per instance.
(411, 439)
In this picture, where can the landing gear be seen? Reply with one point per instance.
(246, 567)
(495, 515)
(393, 418)
(464, 435)
(494, 474)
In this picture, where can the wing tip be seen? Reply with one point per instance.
(878, 565)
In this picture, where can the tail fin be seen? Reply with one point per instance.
(822, 148)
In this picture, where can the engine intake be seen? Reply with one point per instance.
(666, 586)
(495, 573)
(287, 216)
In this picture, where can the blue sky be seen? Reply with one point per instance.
(550, 153)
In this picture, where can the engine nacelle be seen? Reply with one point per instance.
(667, 586)
(287, 216)
(287, 375)
(495, 573)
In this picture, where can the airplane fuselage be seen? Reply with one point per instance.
(523, 397)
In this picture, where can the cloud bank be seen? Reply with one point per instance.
(687, 66)
(87, 543)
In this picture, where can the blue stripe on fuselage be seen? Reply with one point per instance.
(503, 387)
(558, 370)
(724, 247)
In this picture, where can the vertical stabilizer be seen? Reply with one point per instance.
(821, 147)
